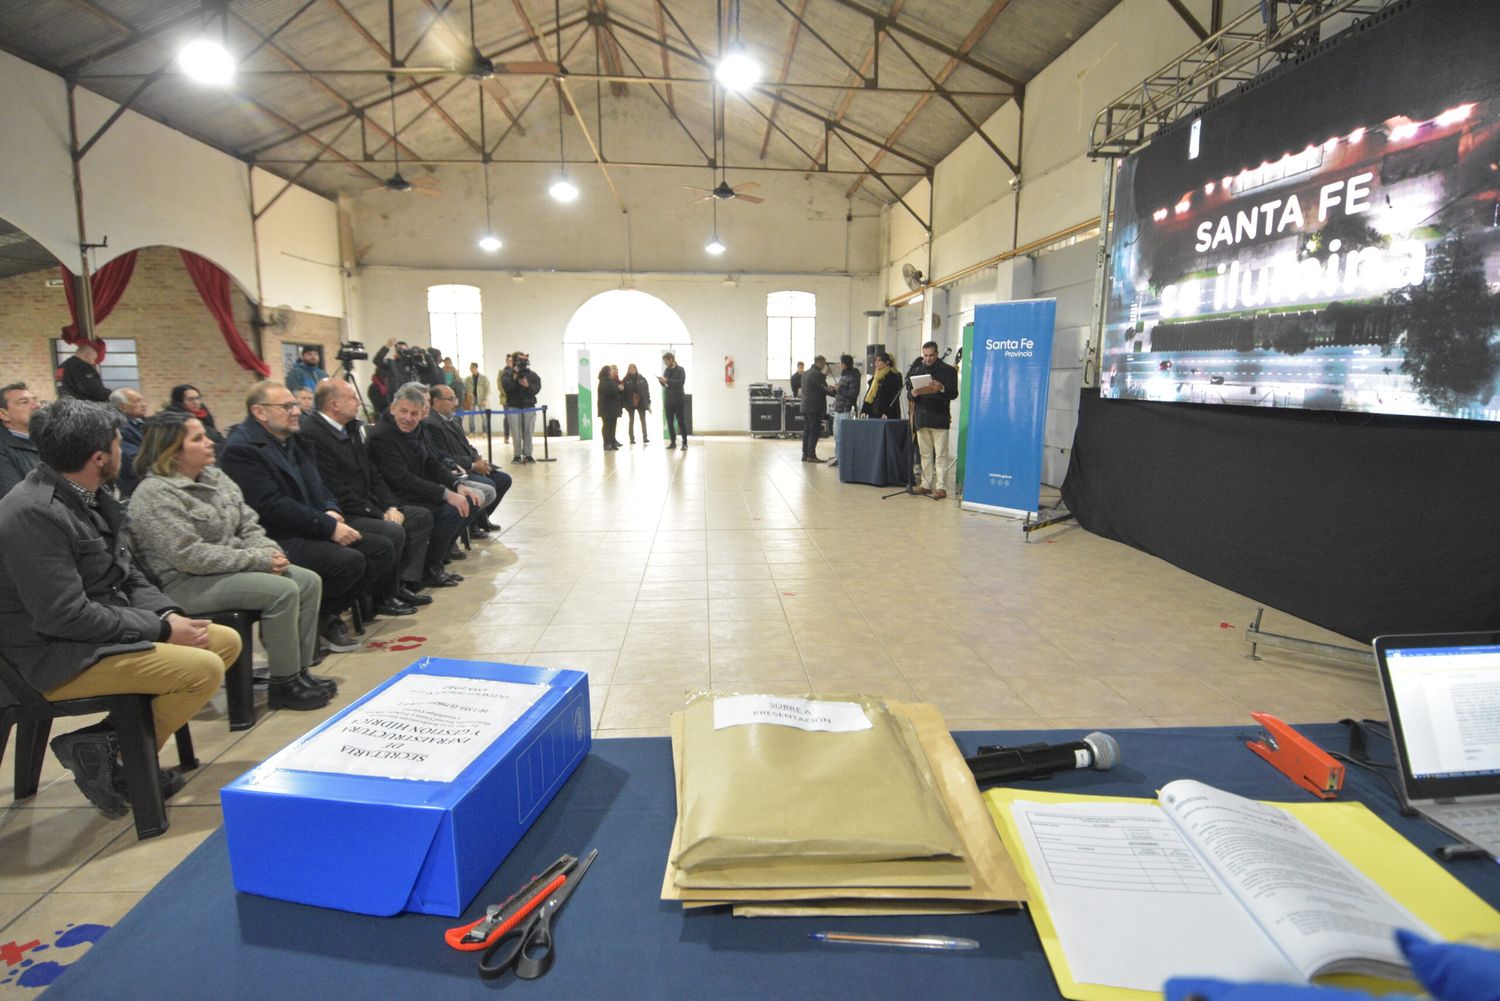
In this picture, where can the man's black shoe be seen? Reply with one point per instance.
(454, 576)
(530, 459)
(479, 532)
(406, 594)
(336, 635)
(394, 606)
(93, 758)
(684, 444)
(671, 444)
(455, 553)
(438, 577)
(297, 693)
(327, 684)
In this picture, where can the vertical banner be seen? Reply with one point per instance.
(585, 397)
(965, 373)
(1006, 395)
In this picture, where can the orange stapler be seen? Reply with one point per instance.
(1302, 761)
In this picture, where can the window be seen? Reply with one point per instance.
(120, 368)
(791, 325)
(453, 318)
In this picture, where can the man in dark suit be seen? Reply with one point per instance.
(445, 436)
(815, 394)
(17, 451)
(338, 439)
(279, 477)
(416, 475)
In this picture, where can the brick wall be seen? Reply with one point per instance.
(176, 338)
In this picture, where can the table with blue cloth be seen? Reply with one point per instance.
(194, 936)
(877, 452)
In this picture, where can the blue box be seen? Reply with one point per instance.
(382, 846)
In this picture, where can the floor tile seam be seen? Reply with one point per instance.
(128, 830)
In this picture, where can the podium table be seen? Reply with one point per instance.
(877, 452)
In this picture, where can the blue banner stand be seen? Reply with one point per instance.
(1011, 359)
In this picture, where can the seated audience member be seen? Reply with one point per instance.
(77, 619)
(80, 376)
(193, 531)
(305, 400)
(445, 436)
(278, 475)
(338, 439)
(187, 400)
(17, 450)
(883, 399)
(132, 406)
(415, 474)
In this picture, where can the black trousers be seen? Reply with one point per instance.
(814, 424)
(347, 571)
(675, 420)
(385, 585)
(446, 524)
(630, 416)
(502, 481)
(611, 424)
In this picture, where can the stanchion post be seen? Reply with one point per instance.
(489, 437)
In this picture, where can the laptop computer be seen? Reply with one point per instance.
(1442, 692)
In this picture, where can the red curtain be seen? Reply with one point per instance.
(213, 285)
(106, 286)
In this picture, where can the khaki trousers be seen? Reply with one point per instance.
(932, 446)
(182, 678)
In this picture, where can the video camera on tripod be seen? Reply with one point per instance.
(350, 352)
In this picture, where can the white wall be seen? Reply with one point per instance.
(147, 185)
(532, 314)
(298, 246)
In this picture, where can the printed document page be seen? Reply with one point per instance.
(1323, 913)
(1133, 904)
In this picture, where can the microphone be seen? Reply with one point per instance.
(1098, 751)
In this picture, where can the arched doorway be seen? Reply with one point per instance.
(625, 326)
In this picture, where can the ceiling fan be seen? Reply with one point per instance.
(397, 183)
(724, 192)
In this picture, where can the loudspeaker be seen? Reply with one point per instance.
(765, 416)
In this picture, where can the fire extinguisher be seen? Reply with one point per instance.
(728, 371)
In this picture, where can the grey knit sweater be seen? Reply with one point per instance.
(186, 528)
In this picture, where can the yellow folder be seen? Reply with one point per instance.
(1402, 869)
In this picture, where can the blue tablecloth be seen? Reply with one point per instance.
(193, 936)
(877, 452)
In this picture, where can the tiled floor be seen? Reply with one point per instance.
(737, 567)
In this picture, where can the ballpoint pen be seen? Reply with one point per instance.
(899, 941)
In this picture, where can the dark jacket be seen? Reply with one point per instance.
(417, 366)
(131, 433)
(412, 470)
(345, 466)
(81, 380)
(281, 483)
(637, 392)
(69, 594)
(304, 376)
(446, 440)
(846, 396)
(797, 382)
(672, 392)
(815, 391)
(17, 458)
(611, 400)
(932, 409)
(517, 396)
(887, 402)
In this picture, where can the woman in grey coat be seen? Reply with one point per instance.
(192, 529)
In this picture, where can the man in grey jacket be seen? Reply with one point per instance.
(78, 619)
(17, 452)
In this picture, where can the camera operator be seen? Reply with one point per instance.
(407, 364)
(521, 386)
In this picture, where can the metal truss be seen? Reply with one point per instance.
(1254, 42)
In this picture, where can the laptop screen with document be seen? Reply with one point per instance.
(1443, 695)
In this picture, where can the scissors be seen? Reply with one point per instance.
(527, 947)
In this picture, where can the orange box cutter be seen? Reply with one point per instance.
(1302, 761)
